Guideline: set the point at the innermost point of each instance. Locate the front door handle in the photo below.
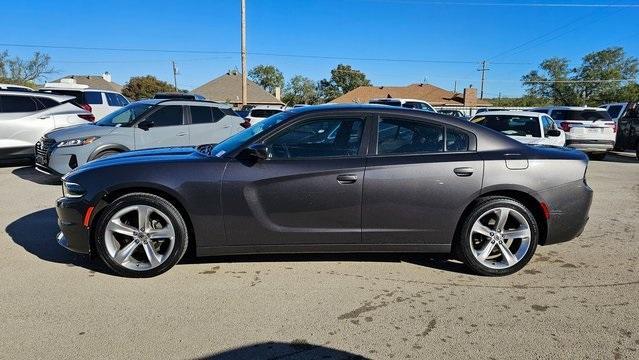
(346, 179)
(181, 134)
(464, 171)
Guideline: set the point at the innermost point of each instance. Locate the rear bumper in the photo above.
(74, 235)
(591, 145)
(569, 207)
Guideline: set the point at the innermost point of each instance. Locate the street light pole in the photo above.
(244, 90)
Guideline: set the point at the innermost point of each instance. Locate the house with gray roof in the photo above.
(100, 82)
(228, 88)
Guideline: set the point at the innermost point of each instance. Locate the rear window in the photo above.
(13, 103)
(511, 124)
(116, 99)
(614, 110)
(383, 102)
(585, 115)
(264, 113)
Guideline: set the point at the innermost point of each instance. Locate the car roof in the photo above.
(58, 98)
(511, 112)
(43, 89)
(184, 102)
(398, 99)
(577, 108)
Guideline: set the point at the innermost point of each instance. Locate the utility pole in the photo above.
(483, 78)
(244, 90)
(175, 71)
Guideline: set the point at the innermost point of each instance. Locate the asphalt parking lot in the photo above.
(574, 300)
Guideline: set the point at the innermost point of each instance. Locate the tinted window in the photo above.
(12, 103)
(167, 116)
(201, 115)
(79, 98)
(512, 125)
(540, 111)
(456, 140)
(614, 110)
(93, 97)
(586, 115)
(115, 99)
(318, 138)
(412, 105)
(264, 113)
(47, 103)
(404, 137)
(383, 102)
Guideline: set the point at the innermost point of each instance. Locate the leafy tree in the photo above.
(343, 79)
(22, 71)
(301, 90)
(144, 87)
(267, 76)
(524, 101)
(586, 84)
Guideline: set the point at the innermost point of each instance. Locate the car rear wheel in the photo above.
(141, 235)
(498, 237)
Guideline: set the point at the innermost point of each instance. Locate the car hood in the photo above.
(79, 131)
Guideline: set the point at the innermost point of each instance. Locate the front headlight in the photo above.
(72, 190)
(78, 142)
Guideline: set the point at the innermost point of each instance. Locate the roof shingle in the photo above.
(228, 88)
(434, 95)
(94, 82)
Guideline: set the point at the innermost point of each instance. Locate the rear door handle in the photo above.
(464, 171)
(181, 134)
(346, 179)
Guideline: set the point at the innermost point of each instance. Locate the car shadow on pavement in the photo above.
(297, 349)
(31, 174)
(620, 158)
(435, 261)
(36, 233)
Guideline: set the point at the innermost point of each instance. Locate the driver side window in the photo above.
(326, 137)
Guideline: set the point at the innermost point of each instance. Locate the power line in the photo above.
(272, 54)
(518, 4)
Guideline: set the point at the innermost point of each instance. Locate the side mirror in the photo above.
(146, 125)
(553, 133)
(256, 151)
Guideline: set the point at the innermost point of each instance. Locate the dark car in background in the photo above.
(295, 183)
(178, 95)
(628, 130)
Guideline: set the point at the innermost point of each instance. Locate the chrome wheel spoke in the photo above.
(123, 254)
(116, 226)
(507, 254)
(163, 233)
(523, 232)
(503, 217)
(484, 253)
(151, 254)
(482, 229)
(143, 217)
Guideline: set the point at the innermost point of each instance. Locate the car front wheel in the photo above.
(141, 235)
(498, 237)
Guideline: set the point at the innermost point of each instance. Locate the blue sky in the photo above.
(513, 35)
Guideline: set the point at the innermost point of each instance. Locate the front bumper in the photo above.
(591, 145)
(569, 207)
(74, 235)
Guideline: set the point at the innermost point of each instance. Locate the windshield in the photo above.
(124, 116)
(512, 125)
(239, 139)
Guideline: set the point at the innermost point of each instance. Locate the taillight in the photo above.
(614, 126)
(87, 117)
(565, 126)
(87, 107)
(246, 124)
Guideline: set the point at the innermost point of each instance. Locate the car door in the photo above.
(309, 190)
(21, 123)
(420, 175)
(167, 128)
(207, 125)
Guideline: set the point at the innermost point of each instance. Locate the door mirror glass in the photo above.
(553, 133)
(146, 125)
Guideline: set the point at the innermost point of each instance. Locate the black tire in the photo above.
(462, 246)
(106, 153)
(177, 221)
(597, 156)
(637, 150)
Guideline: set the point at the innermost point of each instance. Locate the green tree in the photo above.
(144, 87)
(595, 81)
(343, 79)
(24, 71)
(268, 77)
(301, 90)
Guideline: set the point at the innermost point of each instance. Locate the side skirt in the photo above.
(323, 248)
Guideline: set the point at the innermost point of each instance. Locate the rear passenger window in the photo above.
(115, 99)
(93, 97)
(201, 115)
(12, 103)
(456, 140)
(167, 116)
(47, 103)
(406, 137)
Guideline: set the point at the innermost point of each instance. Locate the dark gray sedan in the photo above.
(355, 178)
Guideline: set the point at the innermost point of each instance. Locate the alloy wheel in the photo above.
(500, 238)
(139, 237)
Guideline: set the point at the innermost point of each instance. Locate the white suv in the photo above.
(99, 102)
(26, 116)
(588, 129)
(405, 103)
